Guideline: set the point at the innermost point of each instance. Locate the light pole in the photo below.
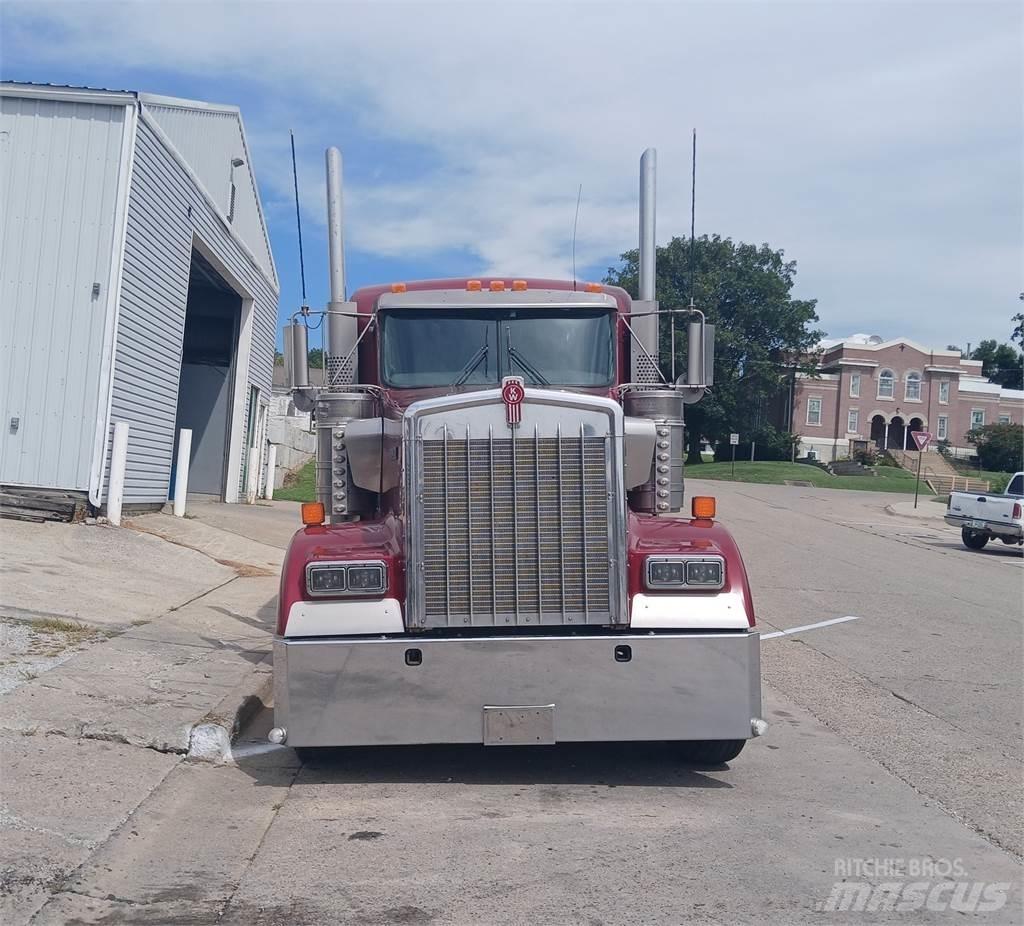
(235, 162)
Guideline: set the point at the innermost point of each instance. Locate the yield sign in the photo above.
(921, 438)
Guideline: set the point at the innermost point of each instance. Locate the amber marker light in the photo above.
(473, 286)
(398, 287)
(703, 507)
(592, 287)
(313, 514)
(497, 286)
(519, 286)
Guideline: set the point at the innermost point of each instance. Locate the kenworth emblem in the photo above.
(512, 394)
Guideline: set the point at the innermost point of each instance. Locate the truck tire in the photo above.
(973, 540)
(712, 752)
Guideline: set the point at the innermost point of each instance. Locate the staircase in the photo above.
(938, 473)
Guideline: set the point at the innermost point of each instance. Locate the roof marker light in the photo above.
(398, 287)
(497, 286)
(519, 286)
(592, 287)
(473, 286)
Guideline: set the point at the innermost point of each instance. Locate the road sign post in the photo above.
(922, 439)
(734, 439)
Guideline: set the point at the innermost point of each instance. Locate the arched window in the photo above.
(886, 380)
(913, 387)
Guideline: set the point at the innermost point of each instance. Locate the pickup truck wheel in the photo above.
(973, 540)
(712, 752)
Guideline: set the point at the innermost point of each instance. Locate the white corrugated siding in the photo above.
(165, 209)
(59, 171)
(208, 140)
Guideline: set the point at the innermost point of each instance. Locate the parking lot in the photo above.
(893, 759)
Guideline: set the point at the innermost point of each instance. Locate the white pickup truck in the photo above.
(983, 517)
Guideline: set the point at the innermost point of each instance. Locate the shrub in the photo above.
(1000, 446)
(868, 456)
(999, 483)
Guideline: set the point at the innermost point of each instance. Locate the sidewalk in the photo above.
(927, 510)
(166, 628)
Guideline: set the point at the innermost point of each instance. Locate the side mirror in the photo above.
(296, 356)
(700, 359)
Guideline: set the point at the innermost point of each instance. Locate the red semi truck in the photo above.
(498, 553)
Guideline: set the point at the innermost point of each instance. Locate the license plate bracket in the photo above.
(519, 725)
(977, 525)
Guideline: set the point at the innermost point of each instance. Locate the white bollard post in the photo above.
(181, 471)
(271, 466)
(118, 458)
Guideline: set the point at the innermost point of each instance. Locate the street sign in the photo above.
(921, 438)
(734, 439)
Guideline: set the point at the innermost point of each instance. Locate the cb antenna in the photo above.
(693, 213)
(298, 223)
(575, 222)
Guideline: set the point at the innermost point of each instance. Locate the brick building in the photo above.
(867, 389)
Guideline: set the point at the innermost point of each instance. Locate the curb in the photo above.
(890, 509)
(210, 739)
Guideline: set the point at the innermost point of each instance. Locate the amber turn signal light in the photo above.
(703, 507)
(313, 513)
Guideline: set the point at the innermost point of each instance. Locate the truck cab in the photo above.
(499, 553)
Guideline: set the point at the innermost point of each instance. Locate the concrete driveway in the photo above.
(893, 762)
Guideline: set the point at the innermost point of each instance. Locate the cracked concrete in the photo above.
(185, 644)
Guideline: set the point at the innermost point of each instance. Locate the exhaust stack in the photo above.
(340, 329)
(644, 351)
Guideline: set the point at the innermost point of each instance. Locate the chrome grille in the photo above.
(515, 530)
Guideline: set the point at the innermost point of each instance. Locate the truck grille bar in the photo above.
(512, 525)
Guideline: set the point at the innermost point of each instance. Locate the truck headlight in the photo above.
(685, 572)
(337, 580)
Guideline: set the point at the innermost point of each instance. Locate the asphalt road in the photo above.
(894, 758)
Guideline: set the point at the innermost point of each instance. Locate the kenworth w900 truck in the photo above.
(498, 553)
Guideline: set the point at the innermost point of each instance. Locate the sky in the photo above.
(878, 144)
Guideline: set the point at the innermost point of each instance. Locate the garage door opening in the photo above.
(209, 355)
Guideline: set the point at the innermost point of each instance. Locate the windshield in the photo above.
(547, 347)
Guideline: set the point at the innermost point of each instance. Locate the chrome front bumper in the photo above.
(516, 690)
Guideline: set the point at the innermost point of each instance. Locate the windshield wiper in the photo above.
(527, 367)
(470, 368)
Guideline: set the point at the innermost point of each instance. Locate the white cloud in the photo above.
(879, 144)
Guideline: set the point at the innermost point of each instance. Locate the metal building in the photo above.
(136, 284)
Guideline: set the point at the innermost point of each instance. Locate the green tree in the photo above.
(763, 335)
(1018, 331)
(1000, 446)
(1000, 363)
(278, 359)
(316, 359)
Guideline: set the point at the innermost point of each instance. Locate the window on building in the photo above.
(855, 386)
(944, 392)
(852, 420)
(977, 417)
(1004, 419)
(913, 387)
(814, 411)
(886, 383)
(942, 430)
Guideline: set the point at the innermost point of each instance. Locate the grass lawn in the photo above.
(887, 478)
(301, 487)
